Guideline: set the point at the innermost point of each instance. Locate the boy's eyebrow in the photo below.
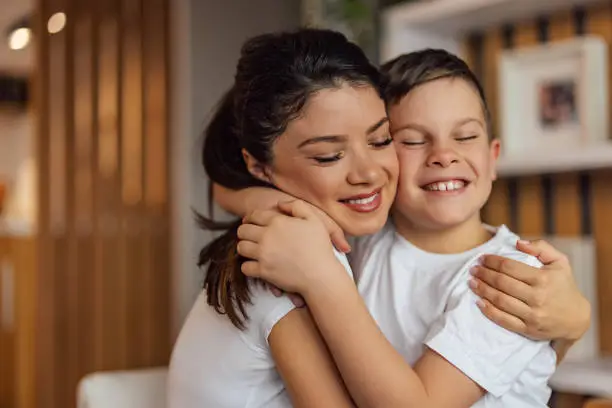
(415, 126)
(412, 126)
(468, 120)
(340, 138)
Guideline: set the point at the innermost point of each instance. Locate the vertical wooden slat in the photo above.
(109, 105)
(84, 117)
(530, 203)
(157, 177)
(497, 211)
(602, 203)
(45, 322)
(134, 269)
(7, 333)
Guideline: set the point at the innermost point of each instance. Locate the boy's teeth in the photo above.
(363, 200)
(445, 185)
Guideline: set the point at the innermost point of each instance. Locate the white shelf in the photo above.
(596, 156)
(455, 17)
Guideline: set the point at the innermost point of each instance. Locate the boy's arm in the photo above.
(242, 202)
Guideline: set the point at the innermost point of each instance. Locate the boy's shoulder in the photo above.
(504, 243)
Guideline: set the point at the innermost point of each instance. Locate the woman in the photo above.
(294, 95)
(297, 96)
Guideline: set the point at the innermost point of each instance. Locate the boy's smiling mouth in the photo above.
(446, 185)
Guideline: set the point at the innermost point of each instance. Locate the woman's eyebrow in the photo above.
(323, 139)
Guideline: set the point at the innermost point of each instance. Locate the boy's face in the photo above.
(447, 163)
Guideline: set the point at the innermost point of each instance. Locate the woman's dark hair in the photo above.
(275, 76)
(408, 71)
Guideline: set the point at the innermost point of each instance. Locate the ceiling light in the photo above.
(20, 38)
(56, 23)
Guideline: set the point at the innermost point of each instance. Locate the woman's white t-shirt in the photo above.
(214, 364)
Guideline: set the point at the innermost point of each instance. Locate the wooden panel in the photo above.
(104, 259)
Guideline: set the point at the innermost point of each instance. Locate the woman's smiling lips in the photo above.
(364, 202)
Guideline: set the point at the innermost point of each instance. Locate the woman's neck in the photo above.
(457, 239)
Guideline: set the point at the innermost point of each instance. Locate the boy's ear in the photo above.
(494, 151)
(256, 168)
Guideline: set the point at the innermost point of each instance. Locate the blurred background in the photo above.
(102, 105)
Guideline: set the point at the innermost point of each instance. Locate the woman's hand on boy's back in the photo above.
(289, 248)
(540, 303)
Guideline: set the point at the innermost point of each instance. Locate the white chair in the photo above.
(144, 388)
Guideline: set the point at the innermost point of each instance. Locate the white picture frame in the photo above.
(554, 97)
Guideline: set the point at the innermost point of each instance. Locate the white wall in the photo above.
(207, 36)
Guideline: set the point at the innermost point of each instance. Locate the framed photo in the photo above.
(554, 96)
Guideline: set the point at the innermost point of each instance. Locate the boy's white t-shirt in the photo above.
(214, 364)
(420, 299)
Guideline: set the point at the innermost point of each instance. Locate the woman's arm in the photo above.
(304, 363)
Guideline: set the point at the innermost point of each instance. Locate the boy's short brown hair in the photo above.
(408, 71)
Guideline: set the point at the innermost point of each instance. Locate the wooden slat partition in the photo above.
(104, 264)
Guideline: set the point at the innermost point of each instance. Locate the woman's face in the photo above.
(339, 156)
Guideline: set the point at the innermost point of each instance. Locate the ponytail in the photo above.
(227, 288)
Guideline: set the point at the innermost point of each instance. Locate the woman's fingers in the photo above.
(251, 269)
(250, 232)
(248, 249)
(297, 208)
(261, 217)
(301, 209)
(504, 283)
(502, 318)
(546, 253)
(502, 301)
(510, 267)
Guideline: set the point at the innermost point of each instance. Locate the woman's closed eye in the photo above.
(382, 143)
(326, 159)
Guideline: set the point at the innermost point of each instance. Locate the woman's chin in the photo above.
(361, 227)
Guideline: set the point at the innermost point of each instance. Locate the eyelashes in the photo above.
(339, 155)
